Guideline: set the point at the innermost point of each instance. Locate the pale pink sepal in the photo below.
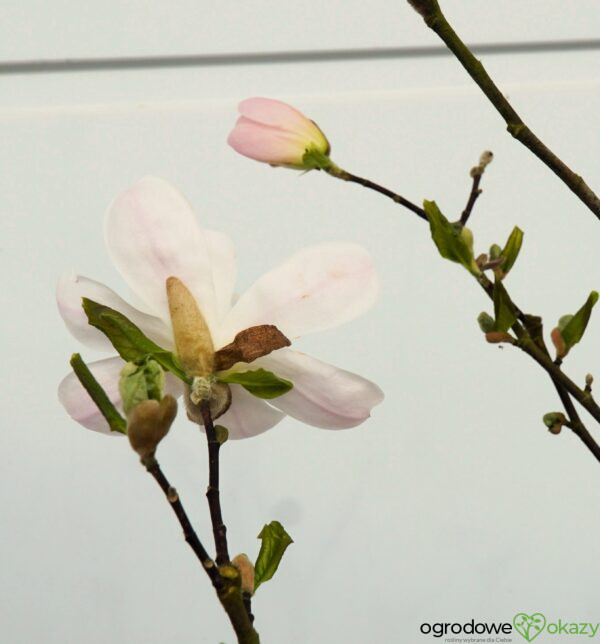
(248, 416)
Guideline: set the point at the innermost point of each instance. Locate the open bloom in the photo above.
(276, 133)
(152, 235)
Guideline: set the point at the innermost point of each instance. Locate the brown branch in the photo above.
(189, 533)
(212, 492)
(435, 20)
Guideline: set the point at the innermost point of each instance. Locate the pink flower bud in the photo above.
(274, 132)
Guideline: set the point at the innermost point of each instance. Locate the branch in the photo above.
(435, 20)
(212, 492)
(189, 533)
(338, 173)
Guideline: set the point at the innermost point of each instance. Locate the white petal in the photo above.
(78, 404)
(152, 234)
(71, 288)
(323, 395)
(248, 416)
(222, 260)
(317, 288)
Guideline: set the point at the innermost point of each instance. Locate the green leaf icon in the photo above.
(275, 540)
(529, 626)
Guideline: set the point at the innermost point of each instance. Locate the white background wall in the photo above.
(452, 502)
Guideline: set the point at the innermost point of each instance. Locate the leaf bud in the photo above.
(141, 382)
(495, 251)
(589, 379)
(554, 421)
(486, 322)
(246, 569)
(148, 423)
(558, 342)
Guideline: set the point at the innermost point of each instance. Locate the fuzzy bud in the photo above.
(246, 568)
(554, 421)
(193, 342)
(589, 379)
(148, 423)
(486, 322)
(558, 342)
(424, 7)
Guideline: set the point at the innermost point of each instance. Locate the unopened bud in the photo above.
(486, 322)
(495, 337)
(246, 568)
(193, 342)
(487, 156)
(148, 423)
(495, 251)
(589, 379)
(558, 342)
(554, 421)
(141, 382)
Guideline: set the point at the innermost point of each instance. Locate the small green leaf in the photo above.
(129, 341)
(511, 249)
(260, 383)
(139, 382)
(275, 540)
(452, 241)
(573, 330)
(504, 310)
(115, 421)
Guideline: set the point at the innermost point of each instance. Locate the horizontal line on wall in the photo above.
(315, 56)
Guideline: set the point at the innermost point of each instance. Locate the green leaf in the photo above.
(115, 421)
(452, 240)
(573, 330)
(275, 540)
(260, 383)
(129, 341)
(511, 249)
(139, 382)
(504, 310)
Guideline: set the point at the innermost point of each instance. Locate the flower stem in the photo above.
(339, 173)
(212, 492)
(188, 531)
(436, 21)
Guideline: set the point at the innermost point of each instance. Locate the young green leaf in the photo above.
(275, 540)
(115, 421)
(504, 310)
(260, 383)
(129, 341)
(511, 250)
(452, 240)
(573, 330)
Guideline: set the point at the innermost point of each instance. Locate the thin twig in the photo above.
(338, 173)
(212, 492)
(475, 192)
(188, 531)
(435, 20)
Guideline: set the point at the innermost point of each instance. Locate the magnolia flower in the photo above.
(152, 235)
(276, 133)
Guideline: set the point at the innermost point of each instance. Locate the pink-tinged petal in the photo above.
(71, 288)
(224, 271)
(323, 395)
(152, 234)
(278, 114)
(318, 288)
(267, 144)
(78, 404)
(248, 416)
